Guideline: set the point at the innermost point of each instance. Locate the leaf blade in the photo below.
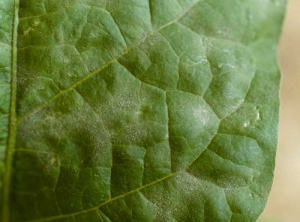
(86, 132)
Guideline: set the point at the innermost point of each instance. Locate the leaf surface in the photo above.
(138, 110)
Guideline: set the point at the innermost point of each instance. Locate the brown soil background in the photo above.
(284, 201)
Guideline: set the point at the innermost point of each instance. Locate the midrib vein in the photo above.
(12, 119)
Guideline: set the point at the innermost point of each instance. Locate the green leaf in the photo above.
(135, 110)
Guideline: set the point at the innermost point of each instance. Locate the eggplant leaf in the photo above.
(135, 110)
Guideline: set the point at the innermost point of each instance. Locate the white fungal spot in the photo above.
(202, 115)
(246, 124)
(258, 115)
(226, 64)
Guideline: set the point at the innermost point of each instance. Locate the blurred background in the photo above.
(284, 201)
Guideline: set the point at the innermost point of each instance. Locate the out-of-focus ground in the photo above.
(284, 201)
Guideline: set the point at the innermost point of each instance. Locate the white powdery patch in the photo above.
(202, 115)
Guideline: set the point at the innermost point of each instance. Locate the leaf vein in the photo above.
(6, 186)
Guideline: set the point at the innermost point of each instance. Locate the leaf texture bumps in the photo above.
(138, 110)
